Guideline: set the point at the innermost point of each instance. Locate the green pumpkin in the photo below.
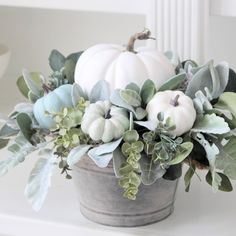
(53, 102)
(105, 122)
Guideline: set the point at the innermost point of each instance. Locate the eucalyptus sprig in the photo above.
(130, 170)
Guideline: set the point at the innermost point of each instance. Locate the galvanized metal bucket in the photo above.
(101, 198)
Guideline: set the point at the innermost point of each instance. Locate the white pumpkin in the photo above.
(105, 122)
(120, 66)
(177, 106)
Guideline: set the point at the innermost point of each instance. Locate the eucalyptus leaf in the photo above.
(76, 154)
(40, 181)
(3, 143)
(188, 176)
(131, 136)
(36, 89)
(211, 124)
(148, 90)
(150, 171)
(184, 151)
(100, 92)
(131, 97)
(56, 60)
(174, 82)
(225, 184)
(22, 85)
(25, 124)
(118, 160)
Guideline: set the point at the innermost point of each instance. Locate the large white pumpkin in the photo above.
(177, 106)
(120, 66)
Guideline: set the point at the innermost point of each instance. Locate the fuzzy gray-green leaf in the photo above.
(131, 97)
(56, 60)
(173, 82)
(211, 124)
(148, 90)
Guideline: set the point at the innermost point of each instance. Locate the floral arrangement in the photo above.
(148, 127)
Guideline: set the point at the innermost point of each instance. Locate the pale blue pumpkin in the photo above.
(53, 102)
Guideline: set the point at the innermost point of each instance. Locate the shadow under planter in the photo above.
(101, 197)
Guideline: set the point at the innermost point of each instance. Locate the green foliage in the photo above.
(129, 171)
(188, 176)
(17, 153)
(40, 180)
(100, 92)
(63, 68)
(31, 85)
(225, 184)
(211, 124)
(103, 153)
(227, 101)
(226, 160)
(24, 122)
(3, 143)
(215, 78)
(6, 131)
(174, 82)
(134, 87)
(131, 97)
(147, 92)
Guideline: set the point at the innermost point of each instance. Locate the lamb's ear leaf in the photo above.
(76, 154)
(131, 97)
(100, 92)
(6, 131)
(103, 154)
(74, 56)
(40, 181)
(116, 99)
(56, 60)
(148, 90)
(134, 87)
(69, 70)
(173, 82)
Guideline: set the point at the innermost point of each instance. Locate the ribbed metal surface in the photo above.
(101, 197)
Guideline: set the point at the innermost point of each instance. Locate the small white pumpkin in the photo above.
(105, 122)
(177, 106)
(120, 66)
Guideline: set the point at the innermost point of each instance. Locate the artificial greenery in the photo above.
(147, 150)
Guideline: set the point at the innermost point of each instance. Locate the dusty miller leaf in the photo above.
(40, 181)
(211, 124)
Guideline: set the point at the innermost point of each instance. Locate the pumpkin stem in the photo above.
(144, 35)
(174, 102)
(108, 114)
(46, 89)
